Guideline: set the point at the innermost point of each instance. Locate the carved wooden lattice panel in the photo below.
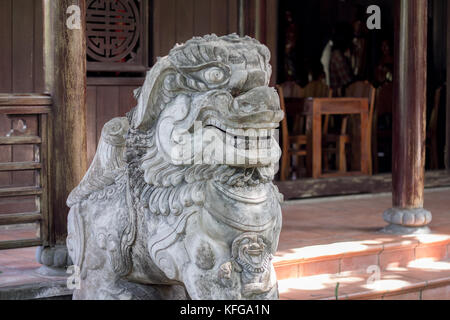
(116, 35)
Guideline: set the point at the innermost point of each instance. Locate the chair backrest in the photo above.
(317, 89)
(363, 89)
(383, 99)
(292, 90)
(360, 89)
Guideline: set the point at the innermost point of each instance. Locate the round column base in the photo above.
(407, 221)
(54, 260)
(52, 271)
(398, 229)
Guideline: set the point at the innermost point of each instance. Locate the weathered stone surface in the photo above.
(407, 221)
(55, 257)
(179, 200)
(51, 289)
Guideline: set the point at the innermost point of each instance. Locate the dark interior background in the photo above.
(314, 22)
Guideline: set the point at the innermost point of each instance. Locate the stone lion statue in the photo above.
(178, 202)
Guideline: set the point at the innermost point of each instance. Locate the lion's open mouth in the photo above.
(246, 146)
(247, 139)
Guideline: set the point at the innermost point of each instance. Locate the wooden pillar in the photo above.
(65, 69)
(271, 30)
(447, 123)
(259, 19)
(409, 120)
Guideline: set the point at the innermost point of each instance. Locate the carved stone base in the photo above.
(54, 260)
(397, 229)
(407, 221)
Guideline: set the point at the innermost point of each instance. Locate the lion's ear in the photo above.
(148, 106)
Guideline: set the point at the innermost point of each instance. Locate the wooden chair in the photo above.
(359, 89)
(338, 143)
(432, 131)
(292, 90)
(291, 144)
(317, 89)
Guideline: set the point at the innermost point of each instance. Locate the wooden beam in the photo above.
(18, 166)
(24, 109)
(115, 81)
(20, 191)
(16, 218)
(7, 99)
(20, 140)
(340, 186)
(66, 81)
(14, 244)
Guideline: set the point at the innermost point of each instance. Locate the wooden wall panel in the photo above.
(106, 101)
(166, 27)
(179, 20)
(5, 151)
(219, 17)
(21, 49)
(107, 106)
(91, 121)
(38, 77)
(24, 153)
(233, 16)
(184, 20)
(202, 24)
(6, 45)
(22, 46)
(126, 99)
(21, 71)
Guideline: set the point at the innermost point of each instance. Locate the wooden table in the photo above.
(315, 108)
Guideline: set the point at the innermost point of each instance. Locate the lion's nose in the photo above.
(258, 105)
(257, 100)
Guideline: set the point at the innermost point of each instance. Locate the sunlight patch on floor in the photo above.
(318, 282)
(429, 264)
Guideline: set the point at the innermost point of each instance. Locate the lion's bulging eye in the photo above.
(214, 75)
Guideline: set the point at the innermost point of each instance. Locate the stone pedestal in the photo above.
(407, 221)
(54, 260)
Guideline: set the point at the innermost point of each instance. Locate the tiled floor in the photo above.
(326, 221)
(343, 233)
(17, 266)
(418, 281)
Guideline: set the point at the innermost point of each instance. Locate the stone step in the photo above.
(423, 279)
(357, 255)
